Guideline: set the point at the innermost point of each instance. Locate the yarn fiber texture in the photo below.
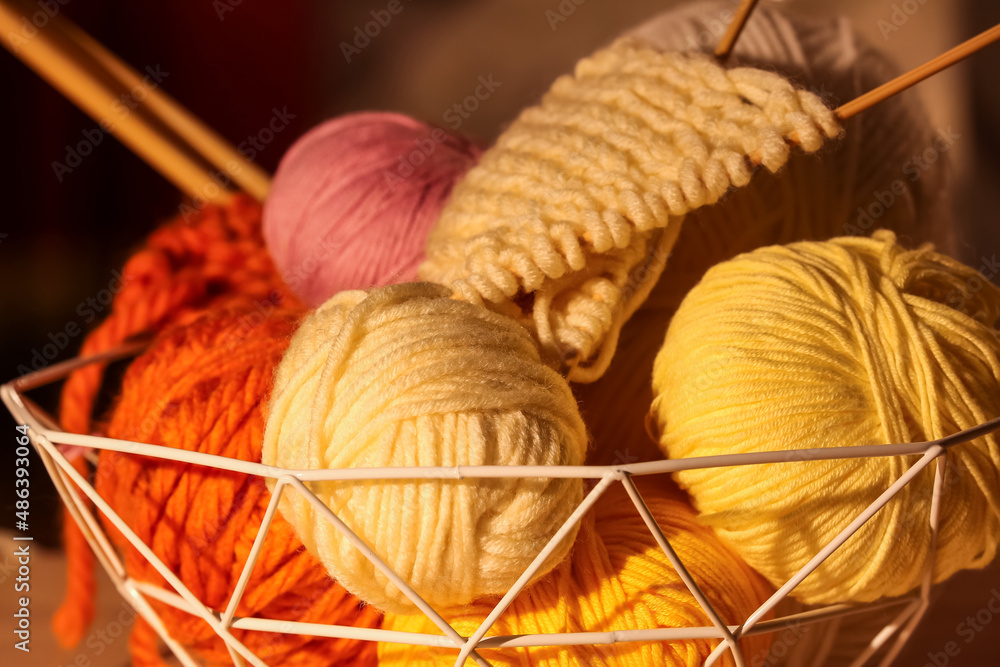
(854, 341)
(212, 257)
(864, 181)
(354, 198)
(836, 192)
(617, 578)
(405, 376)
(202, 388)
(206, 259)
(560, 223)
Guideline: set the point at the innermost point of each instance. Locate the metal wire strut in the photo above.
(46, 436)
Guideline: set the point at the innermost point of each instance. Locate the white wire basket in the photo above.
(45, 434)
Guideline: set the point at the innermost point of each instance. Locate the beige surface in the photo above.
(106, 645)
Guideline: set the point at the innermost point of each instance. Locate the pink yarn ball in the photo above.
(354, 199)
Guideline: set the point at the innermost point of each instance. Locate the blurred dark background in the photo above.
(233, 62)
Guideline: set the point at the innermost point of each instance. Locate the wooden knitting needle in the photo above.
(725, 46)
(216, 150)
(901, 83)
(74, 74)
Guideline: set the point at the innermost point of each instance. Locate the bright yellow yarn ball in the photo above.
(405, 376)
(854, 341)
(617, 578)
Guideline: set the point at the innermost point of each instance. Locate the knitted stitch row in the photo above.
(567, 221)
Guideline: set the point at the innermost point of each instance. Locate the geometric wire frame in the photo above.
(45, 434)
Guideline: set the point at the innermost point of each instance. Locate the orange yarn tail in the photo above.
(144, 645)
(76, 613)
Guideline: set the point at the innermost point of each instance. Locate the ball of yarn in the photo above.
(854, 341)
(202, 388)
(617, 578)
(851, 186)
(206, 258)
(354, 198)
(404, 376)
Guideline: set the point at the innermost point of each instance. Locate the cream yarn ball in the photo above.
(405, 376)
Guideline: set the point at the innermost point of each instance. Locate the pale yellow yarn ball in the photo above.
(853, 341)
(404, 376)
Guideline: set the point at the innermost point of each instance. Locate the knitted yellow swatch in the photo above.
(568, 220)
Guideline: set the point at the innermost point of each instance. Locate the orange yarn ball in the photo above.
(617, 578)
(208, 258)
(201, 388)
